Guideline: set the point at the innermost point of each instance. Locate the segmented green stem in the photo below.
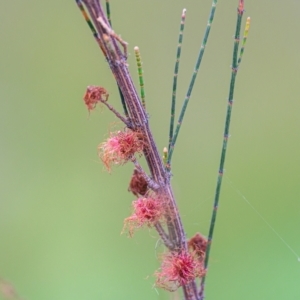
(140, 73)
(123, 103)
(225, 141)
(194, 76)
(91, 26)
(247, 26)
(173, 105)
(96, 36)
(108, 11)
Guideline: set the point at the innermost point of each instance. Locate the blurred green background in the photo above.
(61, 214)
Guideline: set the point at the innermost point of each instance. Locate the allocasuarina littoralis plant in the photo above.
(185, 259)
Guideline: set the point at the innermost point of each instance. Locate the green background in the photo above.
(61, 214)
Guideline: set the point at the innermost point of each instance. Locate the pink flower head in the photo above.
(178, 269)
(146, 211)
(120, 147)
(93, 95)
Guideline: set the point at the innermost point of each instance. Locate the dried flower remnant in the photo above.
(138, 184)
(120, 147)
(178, 269)
(197, 245)
(93, 95)
(146, 211)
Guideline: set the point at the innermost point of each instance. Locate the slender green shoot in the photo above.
(140, 73)
(108, 11)
(234, 69)
(96, 36)
(247, 27)
(173, 105)
(194, 76)
(91, 26)
(123, 103)
(165, 155)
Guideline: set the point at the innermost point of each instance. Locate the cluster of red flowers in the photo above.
(178, 268)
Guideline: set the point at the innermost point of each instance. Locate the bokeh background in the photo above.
(61, 214)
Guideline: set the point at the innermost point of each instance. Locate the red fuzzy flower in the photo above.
(120, 147)
(178, 269)
(146, 211)
(93, 95)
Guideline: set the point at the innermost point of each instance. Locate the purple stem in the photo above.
(117, 62)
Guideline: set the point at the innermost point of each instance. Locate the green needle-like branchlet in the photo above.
(140, 73)
(247, 26)
(108, 11)
(123, 103)
(234, 69)
(89, 22)
(165, 156)
(194, 76)
(173, 105)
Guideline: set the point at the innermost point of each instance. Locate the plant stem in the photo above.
(164, 237)
(140, 73)
(175, 77)
(117, 62)
(247, 27)
(151, 184)
(108, 11)
(120, 93)
(194, 76)
(96, 36)
(91, 26)
(234, 70)
(117, 114)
